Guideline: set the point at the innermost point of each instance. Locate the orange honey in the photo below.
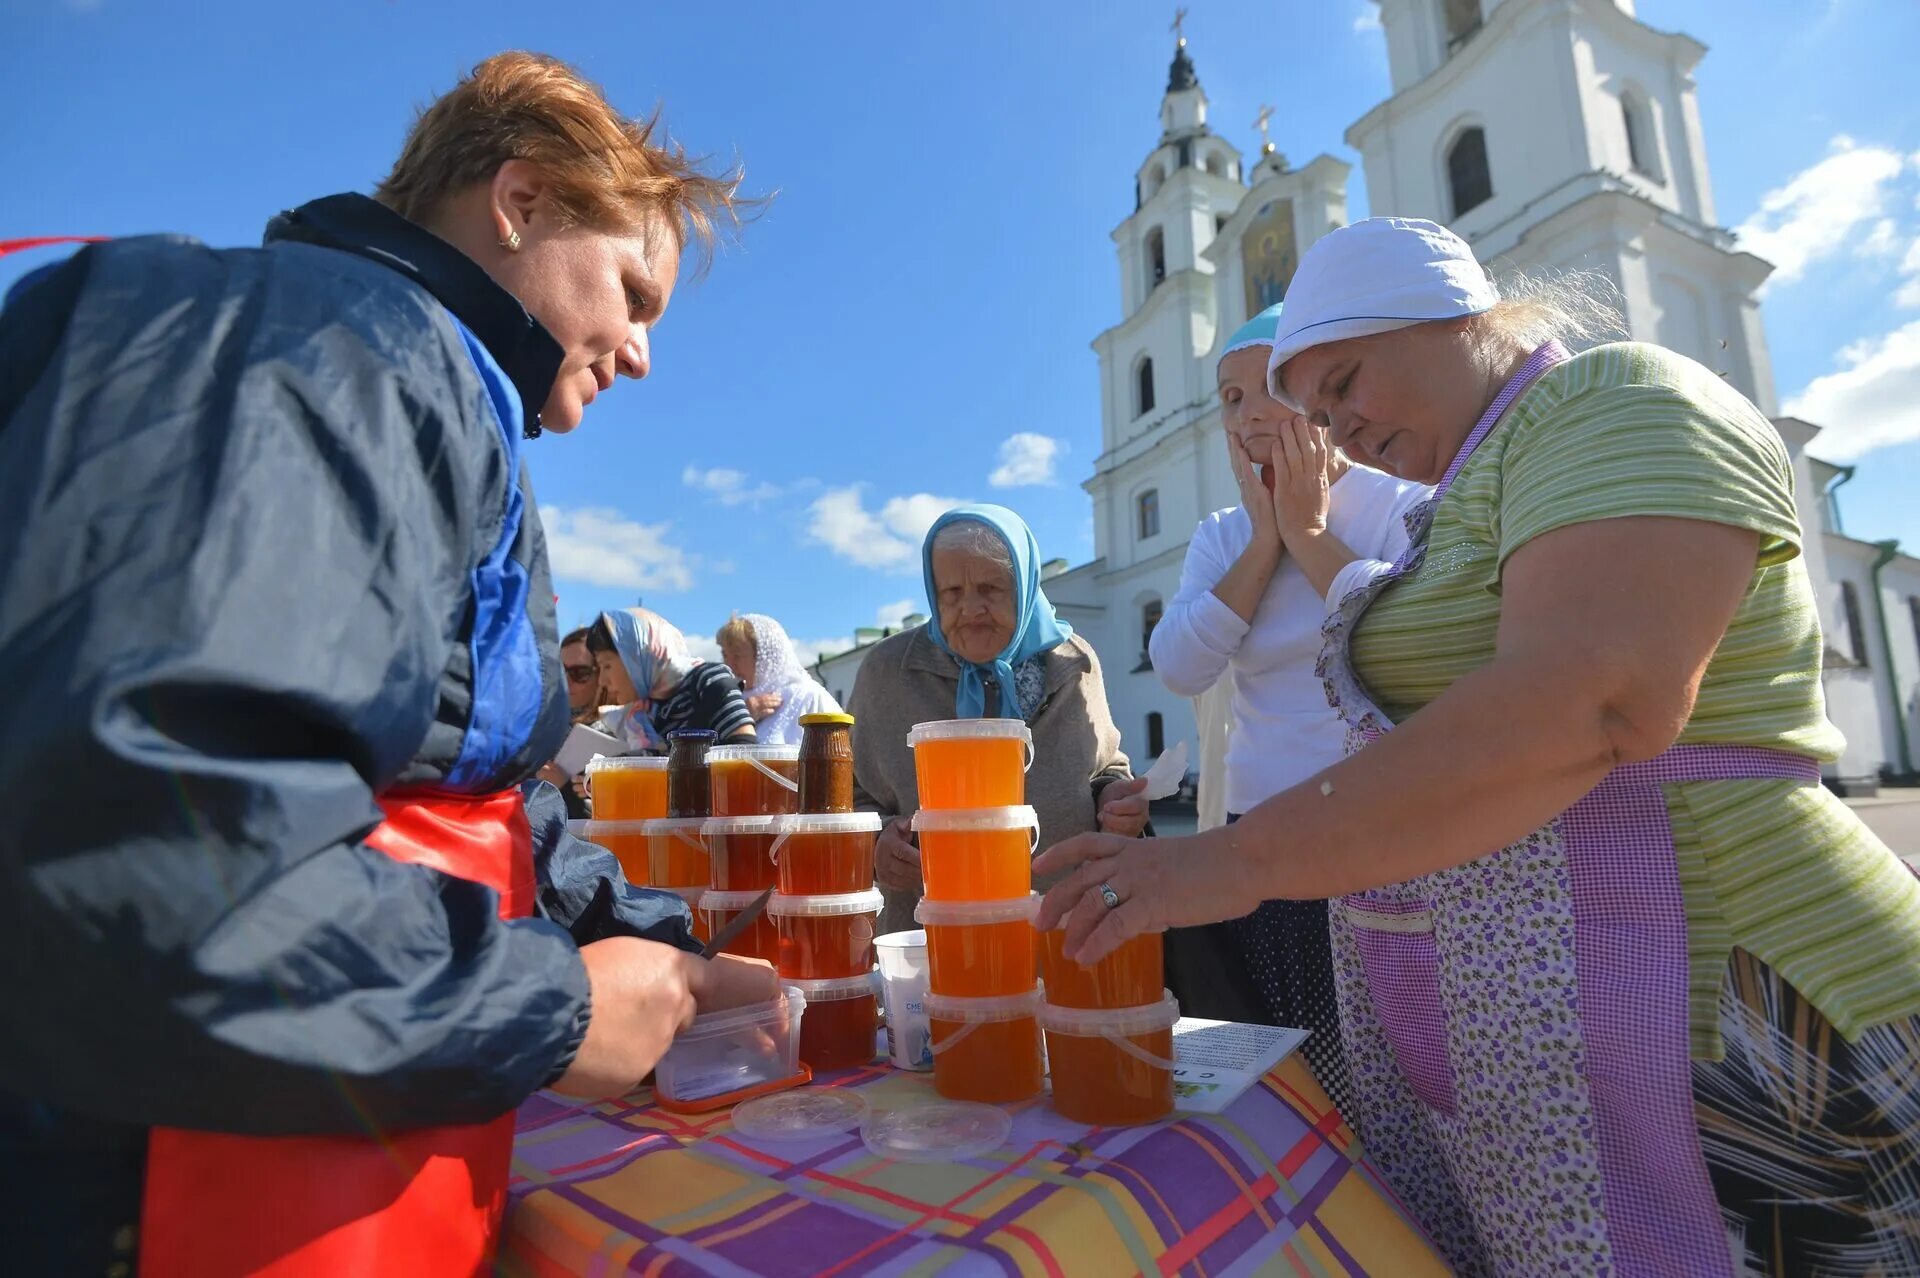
(841, 1026)
(827, 853)
(825, 936)
(740, 786)
(677, 856)
(979, 949)
(977, 854)
(1095, 1058)
(985, 1049)
(1131, 976)
(717, 909)
(971, 763)
(628, 789)
(626, 840)
(742, 851)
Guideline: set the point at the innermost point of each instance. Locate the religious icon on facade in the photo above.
(1269, 254)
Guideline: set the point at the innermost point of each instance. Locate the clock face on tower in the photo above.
(1269, 254)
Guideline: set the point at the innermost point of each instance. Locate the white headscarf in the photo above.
(777, 668)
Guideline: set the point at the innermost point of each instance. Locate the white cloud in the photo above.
(888, 538)
(704, 647)
(888, 616)
(1369, 20)
(1882, 241)
(1818, 208)
(728, 487)
(811, 650)
(1870, 401)
(603, 548)
(1026, 458)
(1909, 292)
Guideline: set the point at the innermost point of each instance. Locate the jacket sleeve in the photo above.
(584, 890)
(1197, 635)
(1109, 762)
(242, 507)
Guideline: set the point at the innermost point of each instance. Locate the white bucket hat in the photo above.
(1373, 277)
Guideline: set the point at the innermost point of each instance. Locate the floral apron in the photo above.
(1516, 1027)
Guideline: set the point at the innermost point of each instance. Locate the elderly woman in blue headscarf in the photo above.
(992, 648)
(661, 686)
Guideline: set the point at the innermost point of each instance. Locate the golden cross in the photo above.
(1179, 20)
(1260, 123)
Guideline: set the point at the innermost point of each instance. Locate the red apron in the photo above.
(426, 1201)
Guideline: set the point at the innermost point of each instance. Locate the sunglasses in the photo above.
(582, 674)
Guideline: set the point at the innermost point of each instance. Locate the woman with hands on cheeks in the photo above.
(1258, 582)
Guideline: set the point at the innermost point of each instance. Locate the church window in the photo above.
(1219, 223)
(1463, 19)
(1149, 618)
(1186, 153)
(1467, 172)
(1156, 735)
(1856, 629)
(1643, 152)
(1148, 505)
(1156, 258)
(1143, 389)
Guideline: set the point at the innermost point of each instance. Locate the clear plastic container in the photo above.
(627, 840)
(843, 1028)
(826, 853)
(676, 853)
(753, 780)
(977, 854)
(986, 1049)
(741, 1050)
(971, 763)
(717, 909)
(979, 949)
(742, 851)
(628, 789)
(1112, 1067)
(823, 936)
(1132, 976)
(936, 1132)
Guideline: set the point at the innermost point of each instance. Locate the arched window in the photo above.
(1643, 150)
(1149, 618)
(1463, 19)
(1143, 389)
(1156, 258)
(1148, 507)
(1467, 172)
(1156, 735)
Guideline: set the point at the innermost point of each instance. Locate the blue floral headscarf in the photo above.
(1035, 628)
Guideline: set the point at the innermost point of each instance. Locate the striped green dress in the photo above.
(1803, 929)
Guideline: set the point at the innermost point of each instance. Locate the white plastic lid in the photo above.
(914, 940)
(832, 823)
(1083, 1022)
(803, 907)
(1022, 909)
(754, 1014)
(765, 753)
(998, 1007)
(591, 830)
(832, 989)
(741, 825)
(964, 729)
(693, 896)
(1020, 816)
(808, 1114)
(671, 825)
(936, 1132)
(733, 901)
(627, 763)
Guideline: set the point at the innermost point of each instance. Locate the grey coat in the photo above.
(907, 679)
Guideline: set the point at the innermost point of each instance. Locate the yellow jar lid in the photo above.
(808, 720)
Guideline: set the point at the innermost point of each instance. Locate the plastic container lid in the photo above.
(590, 830)
(669, 825)
(831, 823)
(1023, 909)
(809, 720)
(627, 763)
(1018, 817)
(741, 825)
(914, 940)
(734, 901)
(1082, 1022)
(998, 1007)
(695, 897)
(803, 1115)
(792, 1001)
(808, 907)
(832, 989)
(967, 729)
(936, 1132)
(776, 753)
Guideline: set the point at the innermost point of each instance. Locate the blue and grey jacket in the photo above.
(268, 550)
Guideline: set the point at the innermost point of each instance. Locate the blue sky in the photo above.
(926, 284)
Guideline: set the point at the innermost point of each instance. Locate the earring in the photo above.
(512, 242)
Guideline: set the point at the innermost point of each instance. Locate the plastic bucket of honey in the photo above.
(628, 789)
(717, 909)
(1132, 976)
(826, 853)
(977, 854)
(753, 780)
(1111, 1066)
(842, 1025)
(979, 949)
(627, 840)
(822, 936)
(986, 1049)
(742, 851)
(971, 763)
(676, 853)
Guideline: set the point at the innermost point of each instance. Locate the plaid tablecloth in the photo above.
(1273, 1185)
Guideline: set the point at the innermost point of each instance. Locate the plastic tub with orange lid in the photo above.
(753, 780)
(825, 935)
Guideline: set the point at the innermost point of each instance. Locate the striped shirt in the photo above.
(709, 697)
(1784, 871)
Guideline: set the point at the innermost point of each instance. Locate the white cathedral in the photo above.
(1550, 134)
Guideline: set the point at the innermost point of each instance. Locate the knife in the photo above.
(741, 922)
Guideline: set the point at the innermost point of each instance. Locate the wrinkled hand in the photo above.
(896, 862)
(1303, 483)
(643, 994)
(763, 704)
(1254, 497)
(1161, 883)
(731, 980)
(1123, 807)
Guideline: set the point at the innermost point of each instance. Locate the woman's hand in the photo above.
(1123, 807)
(896, 862)
(1259, 504)
(1303, 481)
(763, 704)
(1157, 884)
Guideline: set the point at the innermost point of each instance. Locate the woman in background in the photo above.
(778, 688)
(661, 686)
